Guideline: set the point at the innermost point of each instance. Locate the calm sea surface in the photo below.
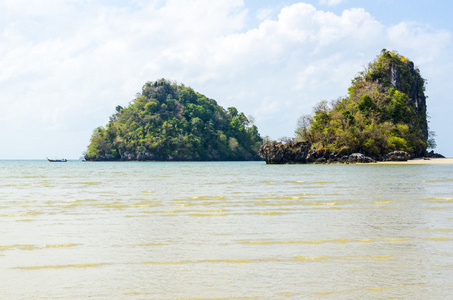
(241, 230)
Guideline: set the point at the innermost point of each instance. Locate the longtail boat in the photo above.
(57, 160)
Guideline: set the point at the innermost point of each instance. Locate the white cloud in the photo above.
(330, 2)
(429, 43)
(264, 14)
(63, 69)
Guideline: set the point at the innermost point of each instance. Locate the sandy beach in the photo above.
(420, 161)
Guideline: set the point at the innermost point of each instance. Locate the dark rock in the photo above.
(311, 156)
(284, 153)
(321, 160)
(432, 154)
(314, 155)
(300, 153)
(397, 156)
(359, 158)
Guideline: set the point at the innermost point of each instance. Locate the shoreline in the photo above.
(420, 161)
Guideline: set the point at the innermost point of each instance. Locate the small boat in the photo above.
(57, 160)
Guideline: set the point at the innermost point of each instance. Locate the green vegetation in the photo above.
(167, 121)
(384, 111)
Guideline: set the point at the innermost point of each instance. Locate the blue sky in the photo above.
(66, 65)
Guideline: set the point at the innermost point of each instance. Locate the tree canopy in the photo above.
(167, 121)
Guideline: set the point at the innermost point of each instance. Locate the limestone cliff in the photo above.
(406, 78)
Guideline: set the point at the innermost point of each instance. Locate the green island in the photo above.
(383, 117)
(171, 122)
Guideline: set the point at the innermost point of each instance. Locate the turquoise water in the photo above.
(241, 230)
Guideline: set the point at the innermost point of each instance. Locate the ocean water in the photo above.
(225, 230)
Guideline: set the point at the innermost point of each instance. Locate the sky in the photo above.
(66, 65)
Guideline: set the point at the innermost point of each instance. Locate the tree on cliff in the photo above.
(167, 121)
(385, 111)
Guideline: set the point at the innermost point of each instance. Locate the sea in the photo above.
(225, 230)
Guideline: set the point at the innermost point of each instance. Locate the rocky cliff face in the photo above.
(414, 88)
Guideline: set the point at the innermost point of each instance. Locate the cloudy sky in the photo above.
(66, 65)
